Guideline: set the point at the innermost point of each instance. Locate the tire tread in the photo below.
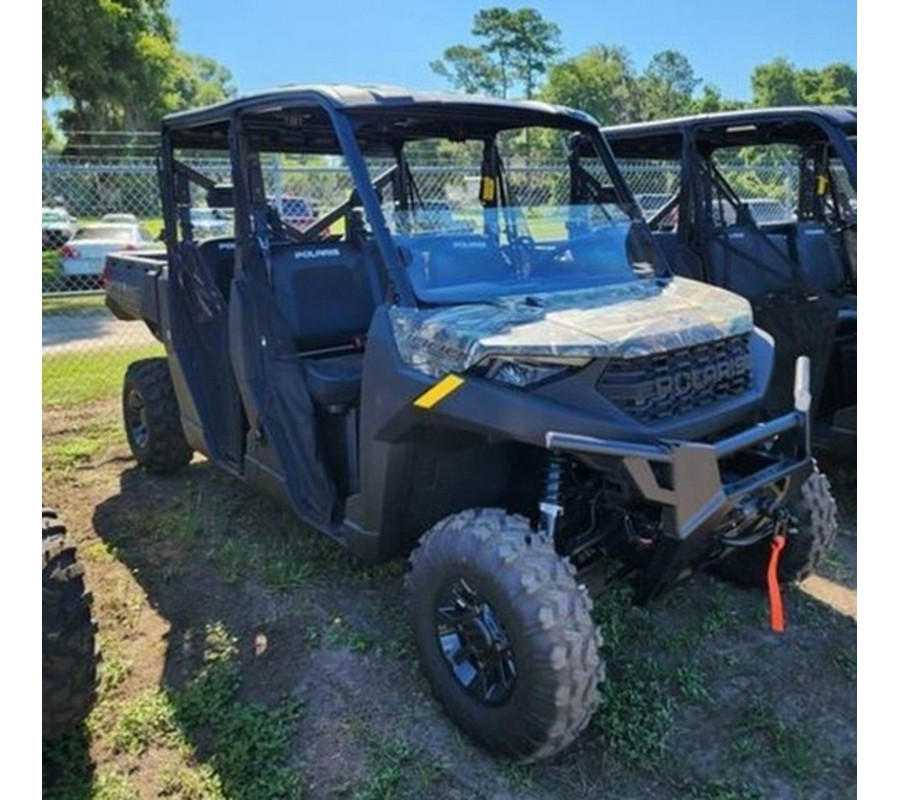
(539, 583)
(817, 525)
(167, 449)
(68, 633)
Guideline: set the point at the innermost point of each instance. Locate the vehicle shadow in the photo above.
(183, 540)
(67, 767)
(189, 541)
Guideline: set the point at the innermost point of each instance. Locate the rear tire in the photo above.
(504, 633)
(152, 417)
(816, 514)
(69, 654)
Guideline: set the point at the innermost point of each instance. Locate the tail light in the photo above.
(68, 251)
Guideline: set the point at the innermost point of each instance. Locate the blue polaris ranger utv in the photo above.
(477, 358)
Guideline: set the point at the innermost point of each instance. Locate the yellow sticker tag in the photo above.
(487, 189)
(439, 391)
(821, 184)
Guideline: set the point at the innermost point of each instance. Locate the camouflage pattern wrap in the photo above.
(626, 320)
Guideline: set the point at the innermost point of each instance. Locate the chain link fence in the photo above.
(94, 207)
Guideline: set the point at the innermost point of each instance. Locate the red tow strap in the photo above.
(775, 604)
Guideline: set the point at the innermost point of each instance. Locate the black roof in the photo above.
(385, 112)
(793, 124)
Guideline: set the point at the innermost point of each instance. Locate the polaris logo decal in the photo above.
(699, 379)
(325, 252)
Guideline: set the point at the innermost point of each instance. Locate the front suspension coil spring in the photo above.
(551, 503)
(554, 477)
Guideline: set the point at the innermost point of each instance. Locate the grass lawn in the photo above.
(72, 378)
(79, 304)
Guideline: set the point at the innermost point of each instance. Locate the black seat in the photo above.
(218, 255)
(324, 294)
(334, 381)
(326, 297)
(742, 260)
(818, 256)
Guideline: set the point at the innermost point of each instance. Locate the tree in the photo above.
(834, 85)
(517, 50)
(775, 84)
(779, 83)
(711, 100)
(600, 81)
(117, 63)
(470, 69)
(603, 82)
(205, 80)
(667, 86)
(49, 139)
(91, 46)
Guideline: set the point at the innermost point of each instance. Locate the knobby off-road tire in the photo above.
(816, 513)
(69, 654)
(482, 582)
(152, 418)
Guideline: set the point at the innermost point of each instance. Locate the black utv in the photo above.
(763, 202)
(478, 357)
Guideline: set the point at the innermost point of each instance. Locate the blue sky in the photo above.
(268, 43)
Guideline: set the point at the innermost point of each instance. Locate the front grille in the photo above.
(668, 384)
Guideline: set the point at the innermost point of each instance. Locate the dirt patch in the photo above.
(702, 700)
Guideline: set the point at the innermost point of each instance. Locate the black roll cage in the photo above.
(322, 120)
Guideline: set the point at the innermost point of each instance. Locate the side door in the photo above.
(195, 312)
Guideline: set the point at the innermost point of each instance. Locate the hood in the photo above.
(622, 321)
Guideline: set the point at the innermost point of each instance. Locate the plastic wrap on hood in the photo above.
(624, 321)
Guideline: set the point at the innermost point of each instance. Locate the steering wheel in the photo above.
(520, 251)
(523, 243)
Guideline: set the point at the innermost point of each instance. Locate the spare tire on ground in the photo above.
(69, 647)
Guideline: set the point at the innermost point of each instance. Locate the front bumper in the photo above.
(695, 487)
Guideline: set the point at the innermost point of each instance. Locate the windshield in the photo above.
(481, 220)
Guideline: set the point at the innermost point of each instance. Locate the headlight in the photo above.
(524, 372)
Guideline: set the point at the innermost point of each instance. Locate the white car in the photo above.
(86, 251)
(58, 226)
(122, 218)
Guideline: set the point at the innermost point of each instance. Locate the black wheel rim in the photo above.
(474, 643)
(136, 418)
